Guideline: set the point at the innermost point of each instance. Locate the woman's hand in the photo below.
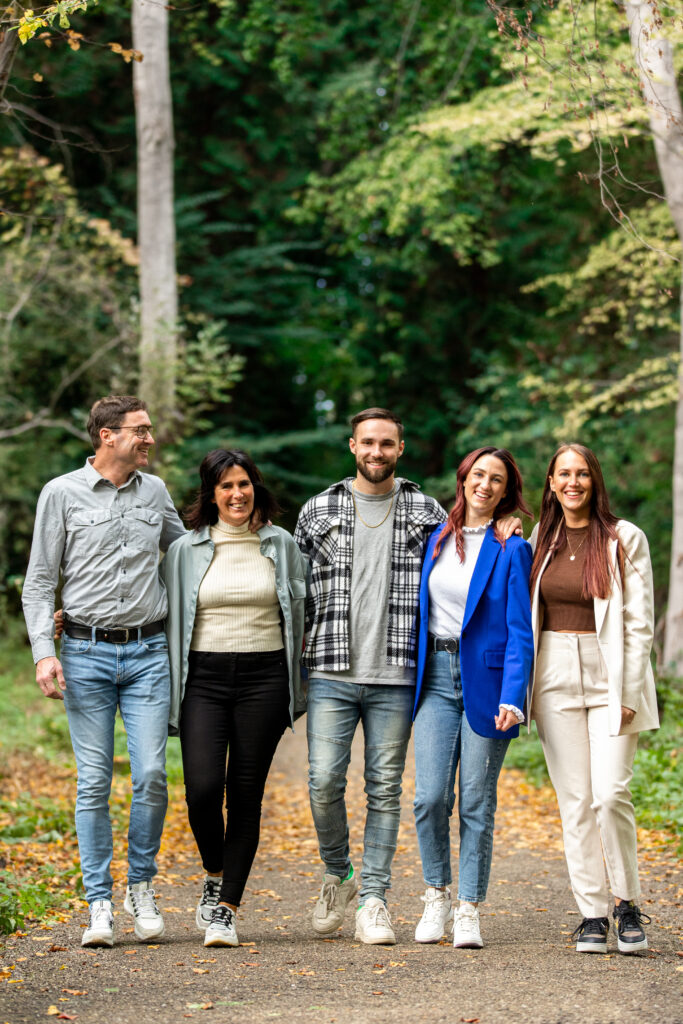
(59, 623)
(508, 526)
(627, 716)
(505, 720)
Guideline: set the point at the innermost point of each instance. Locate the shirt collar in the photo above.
(93, 477)
(482, 528)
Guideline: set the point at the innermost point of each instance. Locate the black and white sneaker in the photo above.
(209, 900)
(591, 935)
(629, 924)
(221, 930)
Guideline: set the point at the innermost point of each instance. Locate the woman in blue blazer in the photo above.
(475, 654)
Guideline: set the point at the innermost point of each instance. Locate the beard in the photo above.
(377, 474)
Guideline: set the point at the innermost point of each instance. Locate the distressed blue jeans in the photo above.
(335, 707)
(444, 740)
(101, 677)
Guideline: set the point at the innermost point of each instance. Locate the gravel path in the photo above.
(527, 972)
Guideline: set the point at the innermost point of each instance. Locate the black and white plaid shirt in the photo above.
(324, 532)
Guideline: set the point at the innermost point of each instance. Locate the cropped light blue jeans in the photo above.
(335, 707)
(443, 740)
(101, 677)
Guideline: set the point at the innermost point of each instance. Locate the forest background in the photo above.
(377, 203)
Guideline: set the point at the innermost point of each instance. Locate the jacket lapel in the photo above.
(488, 553)
(600, 604)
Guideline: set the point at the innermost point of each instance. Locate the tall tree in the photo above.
(653, 55)
(156, 224)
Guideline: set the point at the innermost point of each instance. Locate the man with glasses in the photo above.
(101, 528)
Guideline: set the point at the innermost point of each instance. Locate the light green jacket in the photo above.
(183, 570)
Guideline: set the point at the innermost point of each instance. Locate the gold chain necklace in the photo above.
(371, 526)
(572, 553)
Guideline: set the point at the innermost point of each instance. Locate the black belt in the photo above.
(443, 643)
(113, 634)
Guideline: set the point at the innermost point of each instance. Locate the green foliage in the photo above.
(21, 899)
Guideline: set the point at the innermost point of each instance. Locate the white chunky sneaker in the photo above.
(141, 904)
(209, 900)
(221, 930)
(100, 930)
(437, 913)
(466, 934)
(373, 924)
(335, 896)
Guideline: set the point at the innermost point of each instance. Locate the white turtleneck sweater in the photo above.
(237, 604)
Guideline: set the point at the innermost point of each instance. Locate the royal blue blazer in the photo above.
(497, 641)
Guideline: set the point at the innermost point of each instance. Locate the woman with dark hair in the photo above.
(235, 626)
(475, 652)
(593, 689)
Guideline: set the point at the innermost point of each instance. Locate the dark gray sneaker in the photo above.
(591, 935)
(629, 924)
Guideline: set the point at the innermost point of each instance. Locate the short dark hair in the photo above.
(203, 510)
(110, 412)
(376, 413)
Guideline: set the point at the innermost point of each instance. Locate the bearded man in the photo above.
(363, 539)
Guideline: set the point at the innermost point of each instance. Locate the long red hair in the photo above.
(552, 534)
(511, 500)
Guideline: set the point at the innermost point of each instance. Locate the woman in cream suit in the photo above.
(593, 688)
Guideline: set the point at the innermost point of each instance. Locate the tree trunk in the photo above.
(653, 56)
(9, 43)
(156, 225)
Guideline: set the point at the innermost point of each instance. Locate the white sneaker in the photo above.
(100, 930)
(466, 934)
(335, 896)
(373, 924)
(141, 904)
(221, 930)
(437, 913)
(209, 900)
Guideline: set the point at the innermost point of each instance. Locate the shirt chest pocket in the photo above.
(325, 542)
(145, 528)
(91, 530)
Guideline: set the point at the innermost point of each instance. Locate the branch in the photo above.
(42, 420)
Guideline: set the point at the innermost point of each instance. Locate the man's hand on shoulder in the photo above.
(49, 672)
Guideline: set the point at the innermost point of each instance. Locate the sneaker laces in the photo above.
(211, 891)
(591, 926)
(630, 918)
(377, 911)
(144, 902)
(433, 904)
(328, 894)
(222, 915)
(100, 914)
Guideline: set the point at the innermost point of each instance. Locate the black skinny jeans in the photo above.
(235, 706)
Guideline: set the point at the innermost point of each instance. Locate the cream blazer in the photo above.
(625, 627)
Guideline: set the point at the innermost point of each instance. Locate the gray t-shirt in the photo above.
(369, 609)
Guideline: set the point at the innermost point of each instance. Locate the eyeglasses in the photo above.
(140, 432)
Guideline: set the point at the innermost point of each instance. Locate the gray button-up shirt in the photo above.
(105, 540)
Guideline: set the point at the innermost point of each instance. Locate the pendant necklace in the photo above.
(572, 553)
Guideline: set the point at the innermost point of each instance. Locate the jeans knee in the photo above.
(150, 781)
(325, 786)
(430, 806)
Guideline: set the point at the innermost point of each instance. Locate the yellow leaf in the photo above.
(52, 1011)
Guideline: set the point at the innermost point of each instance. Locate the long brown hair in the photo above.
(511, 500)
(552, 533)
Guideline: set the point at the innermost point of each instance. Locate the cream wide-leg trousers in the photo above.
(589, 769)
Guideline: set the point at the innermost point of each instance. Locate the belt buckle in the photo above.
(127, 632)
(451, 645)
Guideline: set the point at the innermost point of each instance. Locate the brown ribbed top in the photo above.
(561, 585)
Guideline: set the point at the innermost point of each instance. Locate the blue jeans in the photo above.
(335, 708)
(99, 678)
(443, 737)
